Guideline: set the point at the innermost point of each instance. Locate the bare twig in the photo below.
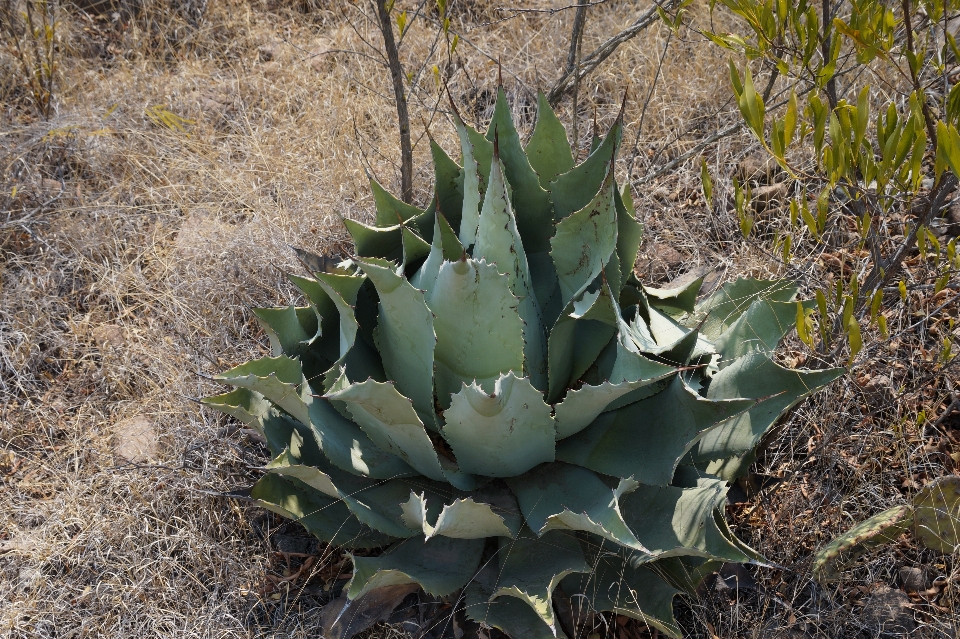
(573, 63)
(590, 62)
(677, 161)
(643, 111)
(396, 73)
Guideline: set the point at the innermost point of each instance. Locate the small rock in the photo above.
(664, 255)
(759, 168)
(878, 389)
(271, 68)
(266, 52)
(914, 579)
(887, 611)
(951, 220)
(211, 106)
(51, 187)
(109, 335)
(295, 545)
(767, 197)
(317, 57)
(136, 439)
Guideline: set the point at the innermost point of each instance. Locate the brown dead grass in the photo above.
(132, 252)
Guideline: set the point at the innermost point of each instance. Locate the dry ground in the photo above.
(132, 245)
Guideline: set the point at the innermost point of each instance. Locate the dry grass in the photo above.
(132, 251)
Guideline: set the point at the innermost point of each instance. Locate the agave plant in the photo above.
(488, 393)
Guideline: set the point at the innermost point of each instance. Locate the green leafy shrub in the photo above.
(488, 393)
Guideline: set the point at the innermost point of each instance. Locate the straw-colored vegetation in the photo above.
(188, 145)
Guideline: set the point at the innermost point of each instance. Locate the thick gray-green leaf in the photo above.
(760, 328)
(341, 440)
(683, 297)
(342, 290)
(375, 503)
(390, 210)
(509, 614)
(386, 243)
(532, 202)
(477, 152)
(498, 242)
(531, 568)
(500, 435)
(452, 248)
(243, 404)
(414, 247)
(629, 234)
(560, 496)
(585, 240)
(426, 275)
(290, 329)
(645, 440)
(722, 308)
(548, 150)
(580, 407)
(440, 565)
(448, 190)
(479, 332)
(572, 347)
(327, 345)
(677, 522)
(754, 376)
(346, 445)
(279, 379)
(326, 518)
(405, 337)
(687, 573)
(572, 190)
(640, 593)
(391, 422)
(465, 518)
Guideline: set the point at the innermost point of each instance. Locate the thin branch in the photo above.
(597, 56)
(669, 166)
(573, 64)
(403, 116)
(643, 112)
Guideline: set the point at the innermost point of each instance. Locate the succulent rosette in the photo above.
(488, 393)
